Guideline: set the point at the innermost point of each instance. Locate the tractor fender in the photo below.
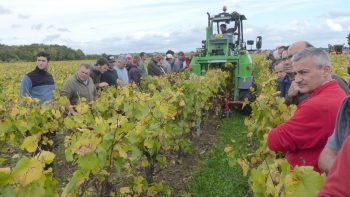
(245, 83)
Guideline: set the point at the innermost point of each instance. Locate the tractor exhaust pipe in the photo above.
(208, 19)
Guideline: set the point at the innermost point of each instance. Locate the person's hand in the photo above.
(293, 90)
(72, 112)
(102, 84)
(287, 67)
(47, 102)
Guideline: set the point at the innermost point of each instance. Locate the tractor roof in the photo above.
(226, 17)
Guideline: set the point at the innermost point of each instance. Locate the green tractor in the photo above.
(226, 50)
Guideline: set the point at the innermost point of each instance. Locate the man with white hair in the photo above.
(294, 96)
(79, 85)
(304, 135)
(121, 70)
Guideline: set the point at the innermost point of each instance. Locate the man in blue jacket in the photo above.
(39, 83)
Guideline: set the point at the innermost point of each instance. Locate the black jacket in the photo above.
(134, 75)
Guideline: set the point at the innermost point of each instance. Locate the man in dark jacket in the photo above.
(134, 72)
(110, 76)
(39, 83)
(154, 66)
(101, 66)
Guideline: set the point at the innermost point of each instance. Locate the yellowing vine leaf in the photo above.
(27, 171)
(30, 144)
(6, 170)
(304, 181)
(46, 157)
(125, 190)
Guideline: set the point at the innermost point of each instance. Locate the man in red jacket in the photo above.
(337, 182)
(305, 134)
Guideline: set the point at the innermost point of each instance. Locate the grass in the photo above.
(214, 177)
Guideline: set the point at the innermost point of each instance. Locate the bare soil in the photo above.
(175, 174)
(179, 168)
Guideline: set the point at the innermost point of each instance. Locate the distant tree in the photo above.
(348, 39)
(104, 55)
(28, 52)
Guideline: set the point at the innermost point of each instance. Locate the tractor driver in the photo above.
(223, 28)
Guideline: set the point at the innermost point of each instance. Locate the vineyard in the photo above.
(116, 144)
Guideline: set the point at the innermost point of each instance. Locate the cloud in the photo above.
(334, 26)
(50, 38)
(60, 29)
(63, 29)
(320, 35)
(335, 14)
(23, 16)
(15, 26)
(157, 26)
(50, 27)
(152, 41)
(182, 39)
(37, 26)
(4, 10)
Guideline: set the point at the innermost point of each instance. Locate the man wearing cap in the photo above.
(110, 76)
(39, 83)
(168, 64)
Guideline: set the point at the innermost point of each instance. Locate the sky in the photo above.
(115, 26)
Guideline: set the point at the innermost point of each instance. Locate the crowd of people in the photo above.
(317, 133)
(89, 79)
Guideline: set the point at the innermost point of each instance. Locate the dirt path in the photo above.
(179, 170)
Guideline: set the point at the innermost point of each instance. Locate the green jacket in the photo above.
(74, 89)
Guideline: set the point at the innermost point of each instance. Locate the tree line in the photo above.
(28, 52)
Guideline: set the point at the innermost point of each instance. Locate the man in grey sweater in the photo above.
(79, 85)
